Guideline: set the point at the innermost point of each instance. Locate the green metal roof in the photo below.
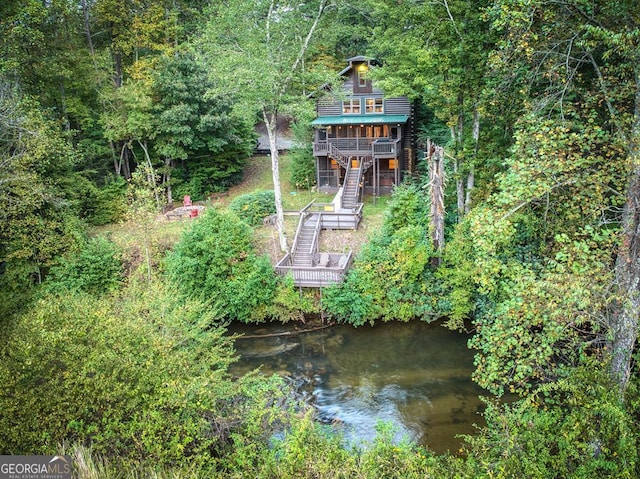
(359, 119)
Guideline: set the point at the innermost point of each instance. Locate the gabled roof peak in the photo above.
(360, 59)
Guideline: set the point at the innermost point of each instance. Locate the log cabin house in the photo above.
(362, 144)
(360, 127)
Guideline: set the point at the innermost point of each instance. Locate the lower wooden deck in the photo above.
(319, 275)
(311, 268)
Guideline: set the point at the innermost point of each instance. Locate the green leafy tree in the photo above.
(96, 268)
(391, 278)
(215, 261)
(39, 222)
(575, 426)
(302, 169)
(44, 55)
(253, 207)
(192, 124)
(437, 52)
(533, 264)
(141, 380)
(573, 56)
(258, 51)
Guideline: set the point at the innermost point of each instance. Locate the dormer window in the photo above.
(351, 106)
(374, 105)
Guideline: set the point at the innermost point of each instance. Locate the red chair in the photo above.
(186, 201)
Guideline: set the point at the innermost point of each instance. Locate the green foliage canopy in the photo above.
(215, 261)
(142, 378)
(254, 207)
(392, 277)
(96, 268)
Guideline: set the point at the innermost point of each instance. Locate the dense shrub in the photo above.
(142, 379)
(575, 426)
(392, 277)
(200, 177)
(95, 268)
(302, 166)
(305, 450)
(302, 169)
(254, 207)
(111, 203)
(215, 261)
(97, 205)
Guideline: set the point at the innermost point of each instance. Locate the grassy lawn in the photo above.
(257, 176)
(162, 234)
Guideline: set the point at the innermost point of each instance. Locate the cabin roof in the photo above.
(359, 119)
(358, 59)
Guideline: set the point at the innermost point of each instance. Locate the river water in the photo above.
(415, 376)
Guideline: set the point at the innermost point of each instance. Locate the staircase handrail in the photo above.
(316, 234)
(294, 247)
(346, 176)
(340, 157)
(359, 185)
(366, 163)
(303, 210)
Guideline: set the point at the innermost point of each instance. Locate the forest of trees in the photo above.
(117, 354)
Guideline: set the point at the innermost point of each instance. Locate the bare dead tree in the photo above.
(435, 158)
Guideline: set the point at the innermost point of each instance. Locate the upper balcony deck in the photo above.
(373, 147)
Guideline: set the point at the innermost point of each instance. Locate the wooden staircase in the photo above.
(306, 243)
(335, 153)
(351, 189)
(305, 263)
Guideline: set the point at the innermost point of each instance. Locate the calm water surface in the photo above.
(416, 376)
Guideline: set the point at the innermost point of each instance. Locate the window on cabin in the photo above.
(362, 80)
(374, 105)
(361, 73)
(351, 106)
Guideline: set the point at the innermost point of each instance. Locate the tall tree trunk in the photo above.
(123, 166)
(270, 120)
(436, 190)
(87, 28)
(457, 132)
(168, 162)
(86, 16)
(624, 323)
(151, 173)
(471, 179)
(117, 69)
(457, 175)
(475, 133)
(63, 107)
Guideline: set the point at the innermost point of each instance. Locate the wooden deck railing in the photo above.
(316, 277)
(303, 215)
(332, 267)
(377, 147)
(342, 220)
(337, 220)
(346, 176)
(385, 148)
